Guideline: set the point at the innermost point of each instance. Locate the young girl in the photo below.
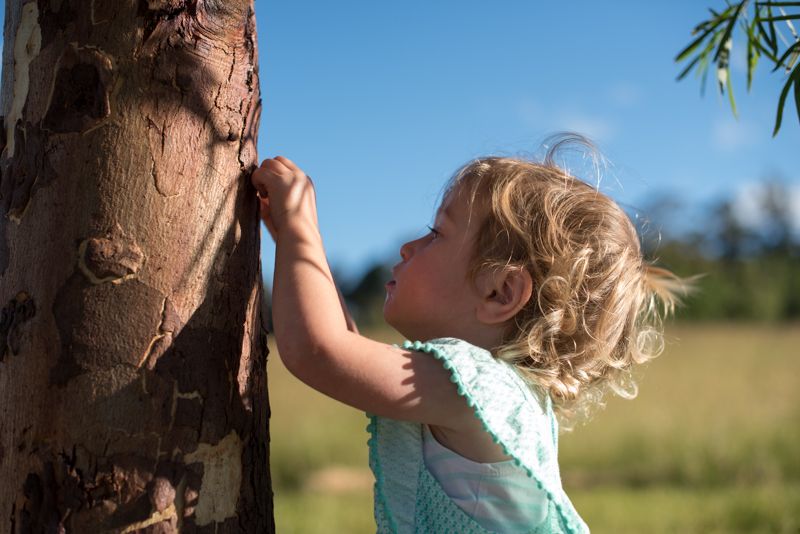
(528, 297)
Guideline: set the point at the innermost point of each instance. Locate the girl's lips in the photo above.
(390, 284)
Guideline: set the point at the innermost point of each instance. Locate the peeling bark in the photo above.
(132, 348)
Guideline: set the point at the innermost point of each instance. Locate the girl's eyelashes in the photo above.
(436, 233)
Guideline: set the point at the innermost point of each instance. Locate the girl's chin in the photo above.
(388, 319)
(411, 334)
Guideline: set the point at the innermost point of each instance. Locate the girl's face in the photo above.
(430, 295)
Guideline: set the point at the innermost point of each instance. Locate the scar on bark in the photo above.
(80, 97)
(26, 172)
(60, 497)
(18, 310)
(113, 258)
(161, 342)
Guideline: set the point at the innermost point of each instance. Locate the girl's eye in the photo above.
(434, 232)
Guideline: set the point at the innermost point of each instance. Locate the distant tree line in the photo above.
(749, 269)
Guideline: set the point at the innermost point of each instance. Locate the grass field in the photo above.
(710, 444)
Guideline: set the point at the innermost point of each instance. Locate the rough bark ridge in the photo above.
(132, 351)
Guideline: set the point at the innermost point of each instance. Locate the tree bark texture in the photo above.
(133, 354)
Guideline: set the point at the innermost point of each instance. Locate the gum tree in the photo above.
(132, 352)
(769, 31)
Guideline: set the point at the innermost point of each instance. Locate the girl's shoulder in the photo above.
(481, 378)
(500, 407)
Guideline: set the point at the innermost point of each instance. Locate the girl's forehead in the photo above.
(445, 205)
(455, 194)
(449, 205)
(458, 206)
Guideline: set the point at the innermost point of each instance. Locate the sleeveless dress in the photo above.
(498, 495)
(408, 498)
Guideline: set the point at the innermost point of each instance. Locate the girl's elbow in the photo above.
(291, 355)
(299, 358)
(288, 359)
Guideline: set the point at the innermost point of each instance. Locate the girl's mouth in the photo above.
(390, 284)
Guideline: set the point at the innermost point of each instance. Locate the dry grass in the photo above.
(710, 444)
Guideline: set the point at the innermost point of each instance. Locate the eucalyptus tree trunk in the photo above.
(132, 352)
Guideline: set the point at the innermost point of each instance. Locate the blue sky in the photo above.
(381, 101)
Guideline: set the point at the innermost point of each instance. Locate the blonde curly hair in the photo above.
(597, 305)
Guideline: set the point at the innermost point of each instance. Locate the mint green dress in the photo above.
(407, 496)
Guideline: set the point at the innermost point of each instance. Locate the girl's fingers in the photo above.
(258, 181)
(272, 169)
(264, 211)
(291, 188)
(278, 165)
(287, 163)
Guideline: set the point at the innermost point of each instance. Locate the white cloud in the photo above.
(625, 94)
(794, 203)
(593, 126)
(596, 127)
(730, 134)
(747, 204)
(750, 196)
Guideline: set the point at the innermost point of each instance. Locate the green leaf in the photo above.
(702, 67)
(752, 52)
(781, 101)
(731, 99)
(794, 49)
(729, 29)
(701, 60)
(795, 75)
(691, 64)
(779, 4)
(691, 46)
(773, 34)
(797, 96)
(781, 17)
(766, 52)
(702, 71)
(707, 27)
(769, 37)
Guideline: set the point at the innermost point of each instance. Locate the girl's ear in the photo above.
(504, 292)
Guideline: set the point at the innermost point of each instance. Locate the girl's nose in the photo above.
(406, 250)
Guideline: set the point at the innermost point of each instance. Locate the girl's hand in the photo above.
(264, 212)
(287, 199)
(286, 194)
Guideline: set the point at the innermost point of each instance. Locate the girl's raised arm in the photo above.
(311, 328)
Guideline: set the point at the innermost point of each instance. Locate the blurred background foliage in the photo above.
(746, 251)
